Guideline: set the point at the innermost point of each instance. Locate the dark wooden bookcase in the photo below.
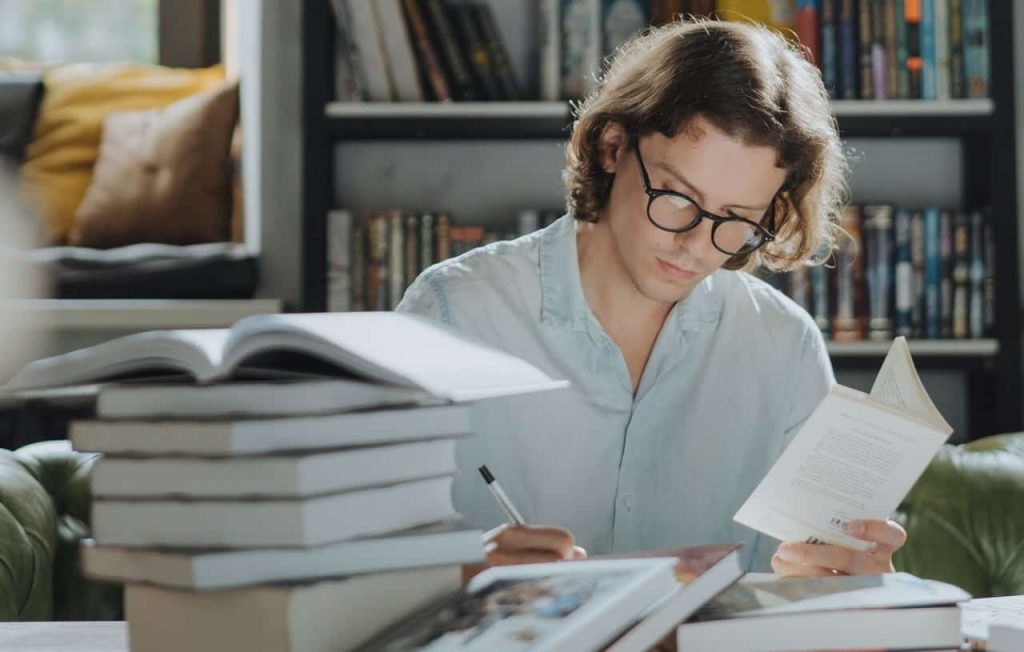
(984, 127)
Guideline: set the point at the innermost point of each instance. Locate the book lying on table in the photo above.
(248, 399)
(855, 457)
(279, 476)
(386, 347)
(269, 523)
(579, 605)
(980, 615)
(437, 544)
(701, 573)
(764, 612)
(1006, 637)
(264, 436)
(292, 617)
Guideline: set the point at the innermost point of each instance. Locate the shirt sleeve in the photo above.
(814, 379)
(426, 297)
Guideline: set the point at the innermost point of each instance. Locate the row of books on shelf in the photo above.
(922, 273)
(927, 273)
(248, 510)
(444, 50)
(373, 260)
(420, 50)
(898, 49)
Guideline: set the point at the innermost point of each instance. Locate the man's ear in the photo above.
(612, 145)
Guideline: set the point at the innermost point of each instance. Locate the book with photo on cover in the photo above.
(385, 347)
(764, 612)
(855, 457)
(577, 605)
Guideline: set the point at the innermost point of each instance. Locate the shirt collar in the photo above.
(564, 305)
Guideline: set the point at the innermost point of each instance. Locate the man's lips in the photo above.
(675, 271)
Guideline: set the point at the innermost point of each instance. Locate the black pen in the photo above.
(502, 498)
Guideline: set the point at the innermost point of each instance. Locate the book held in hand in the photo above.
(579, 605)
(764, 612)
(386, 347)
(855, 457)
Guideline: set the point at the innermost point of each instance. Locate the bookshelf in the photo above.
(983, 128)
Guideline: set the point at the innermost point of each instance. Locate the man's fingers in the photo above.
(782, 567)
(889, 536)
(579, 553)
(512, 538)
(844, 560)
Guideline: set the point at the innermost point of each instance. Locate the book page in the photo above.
(394, 348)
(899, 386)
(852, 459)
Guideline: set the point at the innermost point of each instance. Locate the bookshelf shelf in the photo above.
(142, 314)
(550, 120)
(918, 348)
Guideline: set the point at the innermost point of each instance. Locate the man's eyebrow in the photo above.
(696, 191)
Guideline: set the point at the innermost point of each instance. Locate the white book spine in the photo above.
(942, 80)
(398, 49)
(371, 53)
(339, 257)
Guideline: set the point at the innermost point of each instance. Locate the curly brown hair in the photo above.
(747, 81)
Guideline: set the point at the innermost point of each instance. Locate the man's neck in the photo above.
(610, 292)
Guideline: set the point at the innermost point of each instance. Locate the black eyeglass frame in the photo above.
(767, 235)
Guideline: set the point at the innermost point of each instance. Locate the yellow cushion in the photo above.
(60, 158)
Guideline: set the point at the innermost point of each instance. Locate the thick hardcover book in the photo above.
(396, 258)
(902, 73)
(932, 273)
(865, 31)
(349, 84)
(979, 272)
(501, 63)
(878, 232)
(429, 59)
(957, 85)
(412, 249)
(917, 260)
(580, 605)
(702, 572)
(855, 457)
(377, 261)
(293, 617)
(764, 612)
(438, 544)
(829, 59)
(946, 274)
(892, 59)
(807, 28)
(271, 523)
(444, 236)
(339, 260)
(262, 436)
(391, 348)
(976, 44)
(912, 18)
(428, 253)
(442, 32)
(474, 48)
(284, 475)
(905, 295)
(849, 71)
(399, 51)
(961, 274)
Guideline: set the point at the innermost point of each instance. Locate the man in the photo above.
(708, 149)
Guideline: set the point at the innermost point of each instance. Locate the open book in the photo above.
(855, 457)
(384, 347)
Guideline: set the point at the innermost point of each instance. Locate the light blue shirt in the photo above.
(736, 368)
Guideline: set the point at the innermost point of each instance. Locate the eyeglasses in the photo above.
(675, 212)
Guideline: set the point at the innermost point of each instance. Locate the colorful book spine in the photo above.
(929, 85)
(501, 63)
(443, 241)
(976, 298)
(430, 62)
(942, 85)
(807, 28)
(975, 44)
(428, 255)
(961, 275)
(932, 274)
(829, 46)
(917, 257)
(866, 45)
(902, 71)
(453, 59)
(474, 47)
(905, 295)
(988, 231)
(956, 50)
(377, 261)
(848, 321)
(946, 274)
(878, 232)
(912, 19)
(892, 60)
(849, 72)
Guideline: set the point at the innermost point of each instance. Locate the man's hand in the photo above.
(794, 558)
(525, 544)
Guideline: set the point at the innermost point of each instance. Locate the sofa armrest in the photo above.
(965, 518)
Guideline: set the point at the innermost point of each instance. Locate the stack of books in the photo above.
(269, 508)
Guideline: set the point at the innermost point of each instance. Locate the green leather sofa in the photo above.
(965, 518)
